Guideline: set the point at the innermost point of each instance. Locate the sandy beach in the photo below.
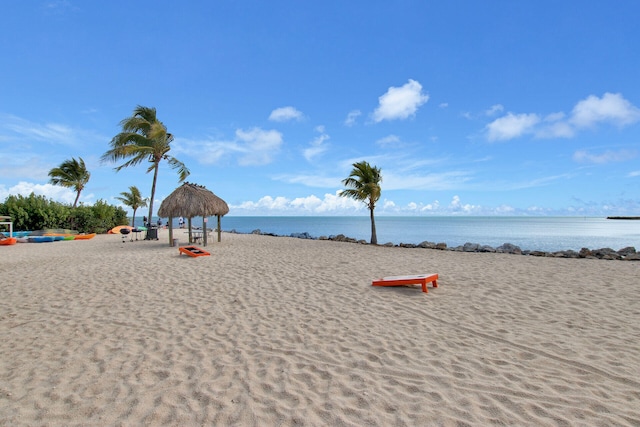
(279, 331)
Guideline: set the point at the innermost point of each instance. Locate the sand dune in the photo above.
(281, 331)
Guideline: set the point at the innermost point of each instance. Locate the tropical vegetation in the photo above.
(39, 213)
(71, 174)
(134, 200)
(144, 138)
(364, 182)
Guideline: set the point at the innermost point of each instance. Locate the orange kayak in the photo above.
(84, 236)
(8, 241)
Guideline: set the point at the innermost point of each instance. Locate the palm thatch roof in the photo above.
(191, 200)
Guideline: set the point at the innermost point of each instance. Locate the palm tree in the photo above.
(71, 174)
(364, 181)
(134, 200)
(144, 137)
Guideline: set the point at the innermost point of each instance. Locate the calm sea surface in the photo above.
(533, 233)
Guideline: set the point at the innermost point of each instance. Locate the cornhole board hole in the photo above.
(417, 279)
(193, 251)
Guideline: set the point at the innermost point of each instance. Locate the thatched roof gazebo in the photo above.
(192, 200)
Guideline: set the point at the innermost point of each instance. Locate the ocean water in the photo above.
(529, 233)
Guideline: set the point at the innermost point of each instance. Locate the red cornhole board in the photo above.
(418, 279)
(193, 251)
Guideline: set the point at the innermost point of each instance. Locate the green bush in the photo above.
(38, 213)
(34, 212)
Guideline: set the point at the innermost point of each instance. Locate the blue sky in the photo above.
(469, 108)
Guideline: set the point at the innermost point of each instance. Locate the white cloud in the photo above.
(554, 126)
(388, 140)
(388, 204)
(494, 109)
(213, 151)
(309, 204)
(334, 204)
(54, 192)
(400, 102)
(59, 7)
(511, 126)
(317, 146)
(329, 204)
(15, 166)
(633, 174)
(337, 203)
(315, 181)
(431, 181)
(554, 117)
(351, 117)
(456, 206)
(285, 114)
(583, 156)
(431, 206)
(258, 145)
(611, 108)
(13, 128)
(265, 203)
(253, 147)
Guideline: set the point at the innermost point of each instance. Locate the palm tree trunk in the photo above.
(153, 192)
(374, 237)
(133, 220)
(76, 201)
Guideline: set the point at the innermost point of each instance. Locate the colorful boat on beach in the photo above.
(59, 232)
(8, 241)
(84, 236)
(63, 234)
(41, 239)
(44, 236)
(59, 237)
(20, 234)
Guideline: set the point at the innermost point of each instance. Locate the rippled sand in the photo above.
(281, 331)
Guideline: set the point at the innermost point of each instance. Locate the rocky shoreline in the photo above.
(625, 254)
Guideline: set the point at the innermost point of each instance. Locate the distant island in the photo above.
(623, 217)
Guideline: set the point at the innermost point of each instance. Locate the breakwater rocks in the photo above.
(625, 254)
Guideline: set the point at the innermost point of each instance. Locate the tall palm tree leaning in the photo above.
(134, 200)
(144, 137)
(364, 181)
(71, 174)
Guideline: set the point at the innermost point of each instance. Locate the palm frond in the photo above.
(71, 174)
(364, 182)
(132, 162)
(144, 138)
(183, 171)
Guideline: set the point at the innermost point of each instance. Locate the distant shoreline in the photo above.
(624, 217)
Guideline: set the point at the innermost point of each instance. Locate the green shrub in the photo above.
(34, 212)
(37, 213)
